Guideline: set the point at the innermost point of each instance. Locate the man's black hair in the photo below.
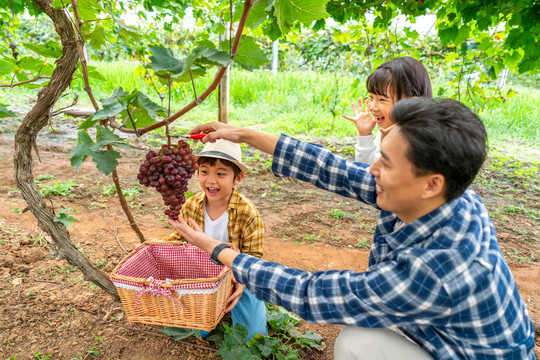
(406, 75)
(212, 162)
(445, 137)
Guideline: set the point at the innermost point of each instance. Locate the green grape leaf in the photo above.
(308, 338)
(79, 154)
(448, 35)
(58, 4)
(142, 110)
(7, 66)
(93, 73)
(109, 111)
(51, 49)
(491, 73)
(257, 14)
(106, 137)
(511, 93)
(206, 43)
(180, 333)
(89, 9)
(527, 65)
(21, 76)
(269, 5)
(207, 56)
(88, 123)
(271, 29)
(512, 58)
(47, 70)
(106, 160)
(164, 63)
(96, 38)
(30, 63)
(463, 33)
(249, 55)
(268, 345)
(112, 106)
(234, 345)
(288, 12)
(5, 112)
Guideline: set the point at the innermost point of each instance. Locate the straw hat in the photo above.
(225, 149)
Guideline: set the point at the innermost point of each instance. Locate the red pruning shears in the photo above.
(193, 136)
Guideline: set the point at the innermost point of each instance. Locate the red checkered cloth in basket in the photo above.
(162, 263)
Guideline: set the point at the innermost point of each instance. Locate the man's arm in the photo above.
(217, 130)
(389, 295)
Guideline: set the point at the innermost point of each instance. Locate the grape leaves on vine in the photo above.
(106, 160)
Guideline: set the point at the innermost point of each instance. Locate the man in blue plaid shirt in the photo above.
(437, 285)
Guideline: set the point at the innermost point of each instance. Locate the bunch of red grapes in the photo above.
(169, 170)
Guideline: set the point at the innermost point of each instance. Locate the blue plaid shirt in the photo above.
(441, 279)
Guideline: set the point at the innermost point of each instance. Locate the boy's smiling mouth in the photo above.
(212, 190)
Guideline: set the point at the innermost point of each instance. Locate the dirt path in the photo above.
(48, 307)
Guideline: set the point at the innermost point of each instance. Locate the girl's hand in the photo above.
(235, 296)
(363, 121)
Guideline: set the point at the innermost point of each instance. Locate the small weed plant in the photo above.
(363, 243)
(110, 190)
(340, 214)
(59, 188)
(284, 341)
(39, 356)
(15, 210)
(64, 218)
(42, 178)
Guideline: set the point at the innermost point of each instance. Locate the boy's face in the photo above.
(218, 181)
(399, 190)
(380, 107)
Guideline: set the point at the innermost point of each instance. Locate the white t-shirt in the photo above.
(218, 229)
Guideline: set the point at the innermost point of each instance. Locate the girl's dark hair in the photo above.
(444, 137)
(406, 76)
(212, 162)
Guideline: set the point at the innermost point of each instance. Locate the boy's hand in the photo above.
(363, 121)
(235, 296)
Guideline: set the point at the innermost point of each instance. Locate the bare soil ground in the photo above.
(47, 307)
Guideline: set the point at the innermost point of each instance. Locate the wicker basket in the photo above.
(169, 283)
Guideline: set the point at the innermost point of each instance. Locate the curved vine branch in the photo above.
(25, 82)
(247, 7)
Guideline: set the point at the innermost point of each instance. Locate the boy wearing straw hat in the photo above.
(227, 215)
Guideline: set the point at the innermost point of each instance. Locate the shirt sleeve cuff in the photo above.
(241, 266)
(365, 141)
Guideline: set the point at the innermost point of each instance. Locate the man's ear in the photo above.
(435, 186)
(239, 178)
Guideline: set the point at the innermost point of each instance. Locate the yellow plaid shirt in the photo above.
(245, 223)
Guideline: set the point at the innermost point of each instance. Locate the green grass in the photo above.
(518, 118)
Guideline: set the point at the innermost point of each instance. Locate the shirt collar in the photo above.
(420, 229)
